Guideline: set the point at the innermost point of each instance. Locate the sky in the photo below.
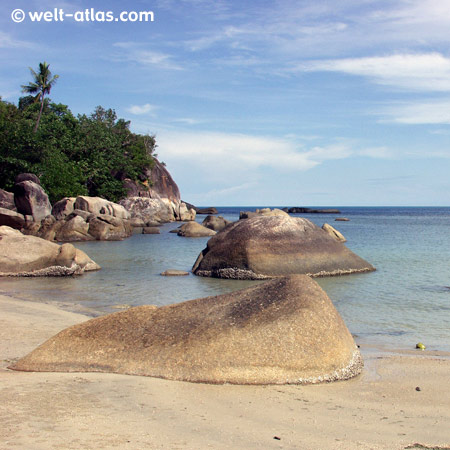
(282, 102)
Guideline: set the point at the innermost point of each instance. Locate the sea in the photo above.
(404, 302)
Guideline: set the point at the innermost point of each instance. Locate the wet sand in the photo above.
(380, 409)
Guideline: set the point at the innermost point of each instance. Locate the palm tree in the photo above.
(42, 84)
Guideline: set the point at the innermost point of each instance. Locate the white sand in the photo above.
(380, 409)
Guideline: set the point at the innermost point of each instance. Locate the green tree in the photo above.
(41, 86)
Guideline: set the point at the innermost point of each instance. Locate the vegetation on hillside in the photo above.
(83, 155)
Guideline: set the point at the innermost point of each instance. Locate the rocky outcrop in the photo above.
(30, 199)
(272, 246)
(333, 232)
(215, 223)
(262, 212)
(147, 209)
(302, 210)
(7, 200)
(98, 205)
(31, 256)
(161, 198)
(63, 208)
(194, 229)
(84, 226)
(11, 218)
(210, 211)
(284, 331)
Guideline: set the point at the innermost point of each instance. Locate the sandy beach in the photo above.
(380, 409)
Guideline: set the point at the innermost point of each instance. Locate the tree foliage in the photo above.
(41, 85)
(84, 155)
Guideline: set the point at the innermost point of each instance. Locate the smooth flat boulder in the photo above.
(174, 273)
(29, 256)
(11, 218)
(279, 332)
(210, 210)
(31, 199)
(216, 223)
(272, 246)
(194, 229)
(151, 230)
(333, 232)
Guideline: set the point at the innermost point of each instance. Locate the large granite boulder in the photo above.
(30, 256)
(31, 199)
(7, 200)
(194, 229)
(282, 331)
(216, 223)
(271, 246)
(11, 218)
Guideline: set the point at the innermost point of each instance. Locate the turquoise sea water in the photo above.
(405, 301)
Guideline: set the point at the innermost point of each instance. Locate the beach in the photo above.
(380, 409)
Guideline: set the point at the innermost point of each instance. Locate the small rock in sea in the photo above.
(150, 230)
(341, 219)
(174, 273)
(418, 389)
(277, 438)
(421, 346)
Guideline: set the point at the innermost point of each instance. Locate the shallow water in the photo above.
(405, 301)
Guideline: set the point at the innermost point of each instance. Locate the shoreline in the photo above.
(379, 409)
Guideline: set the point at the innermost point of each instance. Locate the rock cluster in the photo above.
(282, 331)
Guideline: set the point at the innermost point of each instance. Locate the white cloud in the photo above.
(424, 72)
(231, 154)
(136, 52)
(141, 109)
(7, 41)
(430, 112)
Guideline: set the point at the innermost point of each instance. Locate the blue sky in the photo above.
(261, 102)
